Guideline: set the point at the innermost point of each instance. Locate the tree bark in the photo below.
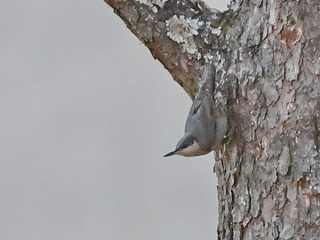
(267, 60)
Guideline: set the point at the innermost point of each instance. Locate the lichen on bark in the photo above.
(267, 70)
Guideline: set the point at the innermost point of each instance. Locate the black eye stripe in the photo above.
(188, 142)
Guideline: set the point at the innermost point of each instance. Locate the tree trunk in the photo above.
(267, 60)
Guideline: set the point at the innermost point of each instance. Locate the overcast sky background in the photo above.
(86, 117)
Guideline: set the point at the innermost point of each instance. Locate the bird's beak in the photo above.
(171, 153)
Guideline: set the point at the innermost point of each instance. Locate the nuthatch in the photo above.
(206, 125)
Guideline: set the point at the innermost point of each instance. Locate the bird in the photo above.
(205, 126)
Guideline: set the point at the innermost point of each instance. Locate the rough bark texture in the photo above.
(181, 34)
(267, 59)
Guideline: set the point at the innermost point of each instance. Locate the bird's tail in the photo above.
(208, 78)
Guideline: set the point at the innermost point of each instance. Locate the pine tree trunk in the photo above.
(267, 60)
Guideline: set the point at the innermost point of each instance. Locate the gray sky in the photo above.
(86, 117)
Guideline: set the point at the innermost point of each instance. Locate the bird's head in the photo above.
(188, 146)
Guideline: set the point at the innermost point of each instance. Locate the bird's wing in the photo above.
(193, 119)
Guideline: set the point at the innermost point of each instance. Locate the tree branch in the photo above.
(267, 58)
(181, 34)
